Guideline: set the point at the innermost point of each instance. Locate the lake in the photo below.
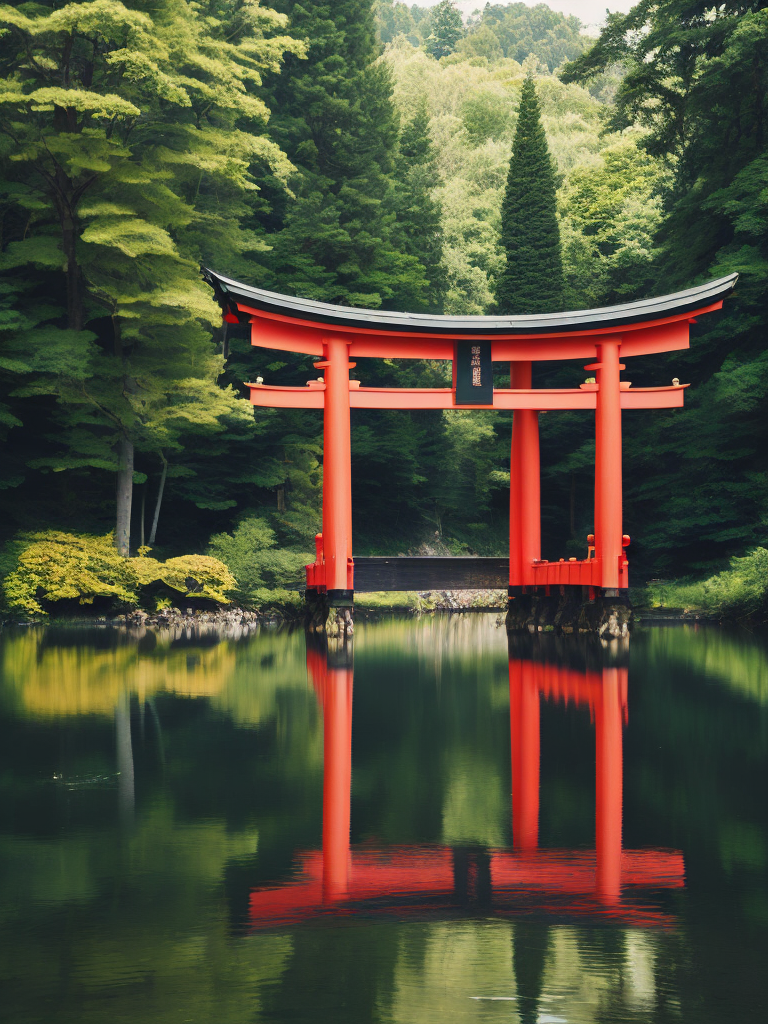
(442, 827)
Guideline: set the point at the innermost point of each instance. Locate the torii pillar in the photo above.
(608, 485)
(337, 472)
(524, 486)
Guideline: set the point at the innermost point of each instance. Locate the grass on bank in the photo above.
(739, 592)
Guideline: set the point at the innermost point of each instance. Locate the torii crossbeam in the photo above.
(339, 334)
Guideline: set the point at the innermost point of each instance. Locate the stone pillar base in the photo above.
(609, 618)
(321, 616)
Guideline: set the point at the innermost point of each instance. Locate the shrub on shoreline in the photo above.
(741, 591)
(265, 573)
(44, 568)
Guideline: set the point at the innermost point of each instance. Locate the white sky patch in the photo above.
(591, 13)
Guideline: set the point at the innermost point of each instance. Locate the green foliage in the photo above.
(55, 566)
(201, 576)
(737, 592)
(41, 569)
(517, 30)
(137, 142)
(611, 214)
(393, 18)
(512, 31)
(130, 138)
(419, 227)
(531, 280)
(335, 118)
(695, 80)
(263, 572)
(446, 29)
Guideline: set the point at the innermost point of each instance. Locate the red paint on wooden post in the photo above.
(524, 486)
(608, 785)
(608, 496)
(337, 467)
(337, 781)
(524, 735)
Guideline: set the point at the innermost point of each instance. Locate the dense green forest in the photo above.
(358, 153)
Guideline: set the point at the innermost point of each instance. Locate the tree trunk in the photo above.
(159, 500)
(74, 301)
(68, 222)
(143, 509)
(124, 495)
(126, 795)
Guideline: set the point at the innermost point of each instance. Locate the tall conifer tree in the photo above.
(532, 278)
(334, 115)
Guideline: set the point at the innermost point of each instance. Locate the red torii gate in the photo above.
(524, 880)
(339, 334)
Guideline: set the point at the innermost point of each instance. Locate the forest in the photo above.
(358, 153)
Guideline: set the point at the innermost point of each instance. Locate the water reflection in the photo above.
(426, 880)
(154, 795)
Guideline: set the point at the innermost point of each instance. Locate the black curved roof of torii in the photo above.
(230, 293)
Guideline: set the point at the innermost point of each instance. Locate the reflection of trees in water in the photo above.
(140, 915)
(474, 971)
(242, 679)
(143, 917)
(81, 679)
(463, 642)
(432, 696)
(737, 658)
(136, 919)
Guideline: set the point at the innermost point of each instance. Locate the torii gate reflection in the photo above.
(605, 693)
(435, 880)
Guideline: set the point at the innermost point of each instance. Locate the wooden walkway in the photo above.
(430, 573)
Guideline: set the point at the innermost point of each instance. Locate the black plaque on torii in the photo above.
(474, 373)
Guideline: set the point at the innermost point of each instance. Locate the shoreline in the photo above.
(369, 608)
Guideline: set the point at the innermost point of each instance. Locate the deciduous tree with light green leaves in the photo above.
(128, 137)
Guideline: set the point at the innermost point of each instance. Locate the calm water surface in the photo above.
(221, 830)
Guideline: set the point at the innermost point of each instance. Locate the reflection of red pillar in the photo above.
(337, 467)
(524, 733)
(608, 785)
(337, 781)
(524, 486)
(608, 485)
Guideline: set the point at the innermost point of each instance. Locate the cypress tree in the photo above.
(532, 279)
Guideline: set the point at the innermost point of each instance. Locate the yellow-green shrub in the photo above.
(209, 577)
(54, 566)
